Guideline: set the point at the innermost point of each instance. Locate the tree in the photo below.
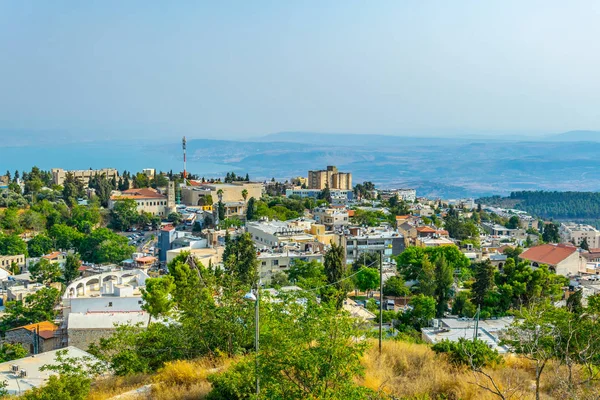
(443, 285)
(395, 286)
(367, 279)
(174, 218)
(422, 311)
(306, 352)
(513, 222)
(36, 307)
(533, 337)
(244, 194)
(39, 245)
(105, 246)
(584, 244)
(45, 271)
(65, 237)
(307, 274)
(9, 352)
(484, 281)
(472, 353)
(239, 258)
(250, 209)
(71, 269)
(335, 271)
(551, 234)
(221, 210)
(124, 214)
(157, 296)
(12, 245)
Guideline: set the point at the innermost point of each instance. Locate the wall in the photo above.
(86, 304)
(82, 338)
(25, 338)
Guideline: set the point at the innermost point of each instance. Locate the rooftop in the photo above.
(46, 329)
(143, 193)
(35, 377)
(550, 254)
(105, 320)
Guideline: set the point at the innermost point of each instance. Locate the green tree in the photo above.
(221, 210)
(65, 237)
(307, 274)
(105, 246)
(10, 220)
(335, 271)
(157, 296)
(422, 311)
(314, 345)
(395, 286)
(71, 269)
(471, 353)
(239, 259)
(124, 214)
(32, 220)
(367, 279)
(36, 307)
(484, 281)
(513, 222)
(250, 209)
(85, 218)
(174, 218)
(45, 271)
(584, 244)
(551, 234)
(9, 352)
(12, 245)
(443, 285)
(39, 245)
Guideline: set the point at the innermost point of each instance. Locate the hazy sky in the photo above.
(247, 68)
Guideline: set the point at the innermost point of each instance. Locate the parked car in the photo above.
(390, 305)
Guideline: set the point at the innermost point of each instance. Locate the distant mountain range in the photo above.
(437, 167)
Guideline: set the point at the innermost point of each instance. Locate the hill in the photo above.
(551, 205)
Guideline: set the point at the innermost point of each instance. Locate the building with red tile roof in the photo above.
(563, 259)
(147, 200)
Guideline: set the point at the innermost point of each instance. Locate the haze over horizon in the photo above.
(247, 69)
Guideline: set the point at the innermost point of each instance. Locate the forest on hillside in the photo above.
(555, 205)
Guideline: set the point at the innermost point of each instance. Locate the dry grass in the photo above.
(186, 380)
(107, 388)
(414, 371)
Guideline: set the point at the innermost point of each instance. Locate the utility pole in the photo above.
(476, 322)
(256, 341)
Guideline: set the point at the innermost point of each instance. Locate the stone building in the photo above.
(35, 338)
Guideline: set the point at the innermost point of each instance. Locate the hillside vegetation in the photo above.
(404, 371)
(556, 205)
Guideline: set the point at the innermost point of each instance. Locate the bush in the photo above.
(472, 353)
(63, 387)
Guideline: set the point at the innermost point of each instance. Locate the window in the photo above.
(264, 263)
(110, 303)
(140, 302)
(275, 262)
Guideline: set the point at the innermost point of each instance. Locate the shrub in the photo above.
(472, 353)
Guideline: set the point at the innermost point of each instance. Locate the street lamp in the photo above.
(254, 296)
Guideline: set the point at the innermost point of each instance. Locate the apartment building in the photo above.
(360, 240)
(408, 195)
(576, 233)
(272, 262)
(84, 175)
(231, 194)
(7, 261)
(330, 177)
(341, 194)
(331, 217)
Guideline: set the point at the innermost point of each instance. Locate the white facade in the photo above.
(271, 263)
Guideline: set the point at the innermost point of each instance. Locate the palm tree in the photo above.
(245, 194)
(220, 194)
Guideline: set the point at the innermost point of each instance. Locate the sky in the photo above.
(241, 69)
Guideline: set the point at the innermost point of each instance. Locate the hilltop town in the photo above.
(286, 289)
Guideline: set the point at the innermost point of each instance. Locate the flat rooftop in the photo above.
(32, 364)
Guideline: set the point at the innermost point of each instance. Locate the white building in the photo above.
(147, 200)
(331, 217)
(276, 233)
(576, 233)
(272, 262)
(360, 240)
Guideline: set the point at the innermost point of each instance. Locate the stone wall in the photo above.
(82, 338)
